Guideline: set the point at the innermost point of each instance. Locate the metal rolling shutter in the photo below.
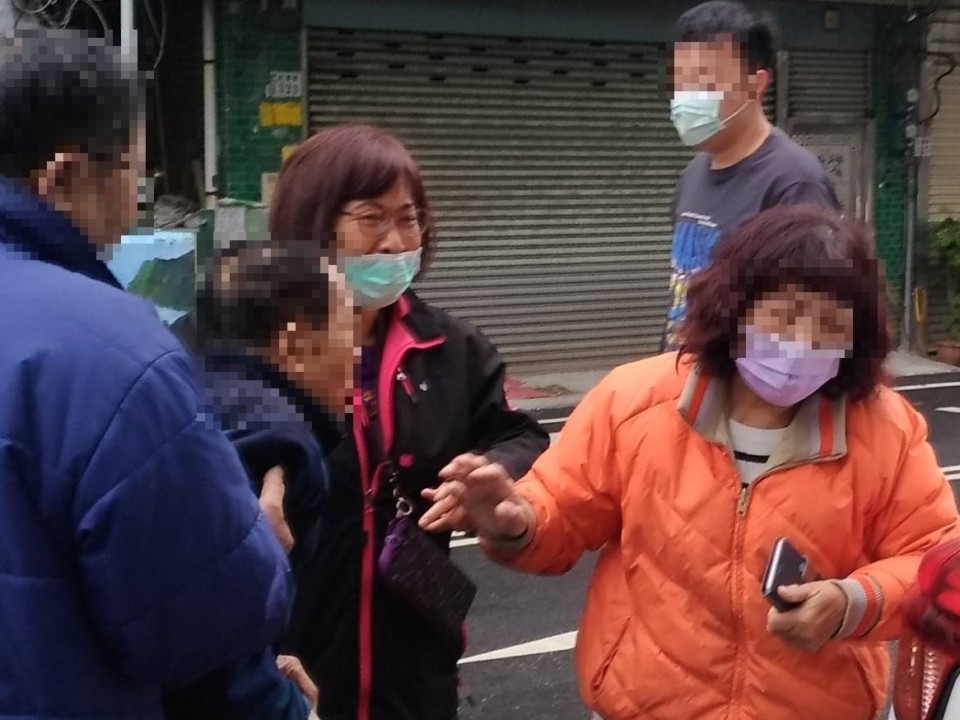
(828, 97)
(828, 83)
(944, 161)
(770, 101)
(551, 166)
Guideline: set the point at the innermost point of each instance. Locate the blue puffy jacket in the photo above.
(132, 551)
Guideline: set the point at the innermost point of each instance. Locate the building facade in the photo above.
(543, 131)
(939, 186)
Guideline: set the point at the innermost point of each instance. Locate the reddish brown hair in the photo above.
(337, 166)
(802, 245)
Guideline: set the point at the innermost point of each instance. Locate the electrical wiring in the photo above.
(163, 30)
(927, 15)
(38, 13)
(936, 84)
(96, 11)
(45, 12)
(18, 5)
(159, 30)
(151, 18)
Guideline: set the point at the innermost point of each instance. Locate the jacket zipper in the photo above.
(371, 484)
(407, 384)
(743, 504)
(740, 521)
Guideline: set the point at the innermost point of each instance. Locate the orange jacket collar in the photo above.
(817, 432)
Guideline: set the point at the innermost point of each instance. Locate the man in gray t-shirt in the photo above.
(722, 69)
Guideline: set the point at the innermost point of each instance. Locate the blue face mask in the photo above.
(379, 280)
(696, 115)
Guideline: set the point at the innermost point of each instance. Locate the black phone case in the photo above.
(786, 566)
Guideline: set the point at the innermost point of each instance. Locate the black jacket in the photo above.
(270, 423)
(446, 397)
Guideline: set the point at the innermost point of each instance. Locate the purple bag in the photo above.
(422, 575)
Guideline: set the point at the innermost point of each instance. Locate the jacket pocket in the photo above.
(610, 697)
(867, 682)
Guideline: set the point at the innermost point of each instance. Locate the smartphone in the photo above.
(787, 566)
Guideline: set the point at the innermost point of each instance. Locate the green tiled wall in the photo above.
(252, 43)
(890, 88)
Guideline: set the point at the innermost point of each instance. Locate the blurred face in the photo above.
(100, 199)
(812, 319)
(718, 66)
(388, 224)
(322, 358)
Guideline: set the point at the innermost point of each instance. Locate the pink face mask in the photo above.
(785, 372)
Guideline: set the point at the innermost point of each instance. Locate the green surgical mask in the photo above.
(696, 115)
(379, 280)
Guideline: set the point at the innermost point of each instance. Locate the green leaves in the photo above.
(945, 242)
(945, 250)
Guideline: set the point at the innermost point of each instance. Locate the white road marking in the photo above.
(928, 386)
(555, 643)
(954, 410)
(463, 542)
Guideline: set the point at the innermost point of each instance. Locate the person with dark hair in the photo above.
(133, 554)
(278, 339)
(277, 332)
(723, 66)
(430, 395)
(685, 470)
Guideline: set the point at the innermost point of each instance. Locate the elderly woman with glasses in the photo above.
(429, 397)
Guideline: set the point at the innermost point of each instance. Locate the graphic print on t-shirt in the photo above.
(694, 238)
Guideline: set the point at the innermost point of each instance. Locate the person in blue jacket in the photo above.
(276, 331)
(133, 555)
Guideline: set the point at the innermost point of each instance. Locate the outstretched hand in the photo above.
(476, 495)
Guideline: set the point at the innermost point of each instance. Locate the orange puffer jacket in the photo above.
(675, 625)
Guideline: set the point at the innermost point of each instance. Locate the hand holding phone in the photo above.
(786, 566)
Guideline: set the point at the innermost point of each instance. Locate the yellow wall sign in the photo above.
(281, 114)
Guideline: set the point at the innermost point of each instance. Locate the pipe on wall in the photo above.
(128, 37)
(910, 240)
(210, 147)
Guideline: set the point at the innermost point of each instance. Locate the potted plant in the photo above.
(945, 247)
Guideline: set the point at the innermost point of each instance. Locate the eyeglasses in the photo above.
(376, 225)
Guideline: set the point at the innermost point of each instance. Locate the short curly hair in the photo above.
(800, 245)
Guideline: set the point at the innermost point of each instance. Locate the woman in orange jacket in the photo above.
(684, 470)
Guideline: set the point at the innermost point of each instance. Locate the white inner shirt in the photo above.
(752, 448)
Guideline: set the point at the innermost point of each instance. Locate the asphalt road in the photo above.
(512, 609)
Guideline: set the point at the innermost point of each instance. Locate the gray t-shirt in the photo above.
(710, 203)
